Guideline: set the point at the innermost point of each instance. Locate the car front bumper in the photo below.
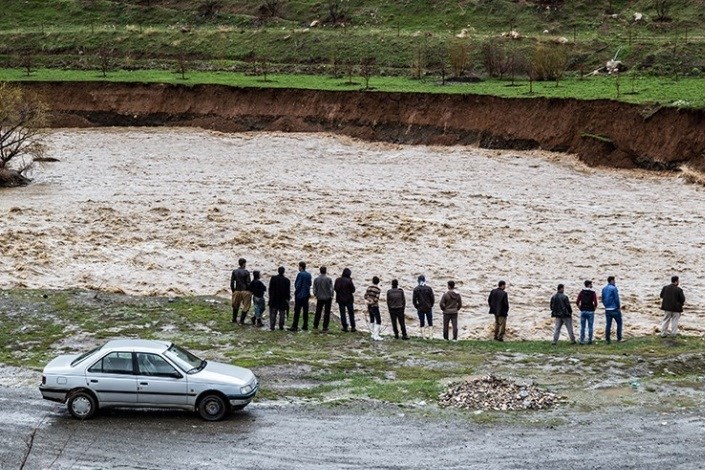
(53, 394)
(236, 400)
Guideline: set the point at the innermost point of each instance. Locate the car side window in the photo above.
(154, 365)
(114, 363)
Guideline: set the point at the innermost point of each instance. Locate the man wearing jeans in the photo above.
(587, 303)
(610, 299)
(302, 292)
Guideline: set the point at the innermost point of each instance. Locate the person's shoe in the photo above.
(281, 328)
(619, 340)
(500, 339)
(352, 330)
(589, 342)
(608, 341)
(254, 320)
(405, 338)
(305, 328)
(292, 329)
(324, 330)
(259, 323)
(553, 343)
(572, 341)
(271, 328)
(344, 329)
(235, 317)
(315, 327)
(396, 336)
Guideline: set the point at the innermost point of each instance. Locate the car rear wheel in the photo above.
(212, 408)
(82, 405)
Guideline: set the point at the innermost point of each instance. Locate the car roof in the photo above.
(142, 345)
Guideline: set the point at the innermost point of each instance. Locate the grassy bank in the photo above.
(684, 93)
(337, 367)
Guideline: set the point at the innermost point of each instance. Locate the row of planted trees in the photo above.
(455, 61)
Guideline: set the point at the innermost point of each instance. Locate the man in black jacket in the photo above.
(423, 299)
(499, 307)
(344, 289)
(396, 303)
(240, 288)
(279, 296)
(258, 289)
(562, 314)
(672, 305)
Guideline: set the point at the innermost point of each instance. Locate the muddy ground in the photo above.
(169, 211)
(356, 435)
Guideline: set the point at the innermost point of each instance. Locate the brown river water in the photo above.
(169, 212)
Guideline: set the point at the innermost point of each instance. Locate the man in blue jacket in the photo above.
(610, 299)
(302, 292)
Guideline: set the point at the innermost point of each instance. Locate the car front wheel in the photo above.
(82, 405)
(212, 408)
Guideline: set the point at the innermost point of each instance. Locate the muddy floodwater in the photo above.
(169, 212)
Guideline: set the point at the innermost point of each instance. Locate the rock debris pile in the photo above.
(498, 394)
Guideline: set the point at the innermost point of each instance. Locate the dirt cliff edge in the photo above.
(601, 132)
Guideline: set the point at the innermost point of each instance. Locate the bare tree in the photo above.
(338, 11)
(27, 62)
(459, 54)
(182, 65)
(210, 8)
(418, 62)
(662, 8)
(22, 120)
(368, 65)
(264, 67)
(269, 9)
(494, 57)
(105, 57)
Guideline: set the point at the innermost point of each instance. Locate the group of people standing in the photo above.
(672, 301)
(248, 291)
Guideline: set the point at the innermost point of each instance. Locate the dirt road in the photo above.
(270, 436)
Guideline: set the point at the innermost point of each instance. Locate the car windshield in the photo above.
(186, 361)
(84, 355)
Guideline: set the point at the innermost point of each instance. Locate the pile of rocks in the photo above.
(499, 394)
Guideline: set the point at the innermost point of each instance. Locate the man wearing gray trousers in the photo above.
(562, 314)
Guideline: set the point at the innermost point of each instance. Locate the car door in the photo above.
(159, 383)
(113, 379)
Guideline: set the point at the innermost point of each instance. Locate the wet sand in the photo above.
(169, 211)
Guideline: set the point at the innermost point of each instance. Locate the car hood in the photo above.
(223, 373)
(60, 364)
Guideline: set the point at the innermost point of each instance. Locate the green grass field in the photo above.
(400, 36)
(663, 91)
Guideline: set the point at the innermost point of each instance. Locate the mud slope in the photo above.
(600, 132)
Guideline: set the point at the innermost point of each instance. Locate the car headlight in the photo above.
(246, 389)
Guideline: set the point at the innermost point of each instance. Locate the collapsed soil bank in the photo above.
(600, 132)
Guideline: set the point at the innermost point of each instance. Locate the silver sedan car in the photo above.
(146, 374)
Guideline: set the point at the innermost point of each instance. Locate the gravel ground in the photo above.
(271, 436)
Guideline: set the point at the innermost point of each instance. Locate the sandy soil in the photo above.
(169, 211)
